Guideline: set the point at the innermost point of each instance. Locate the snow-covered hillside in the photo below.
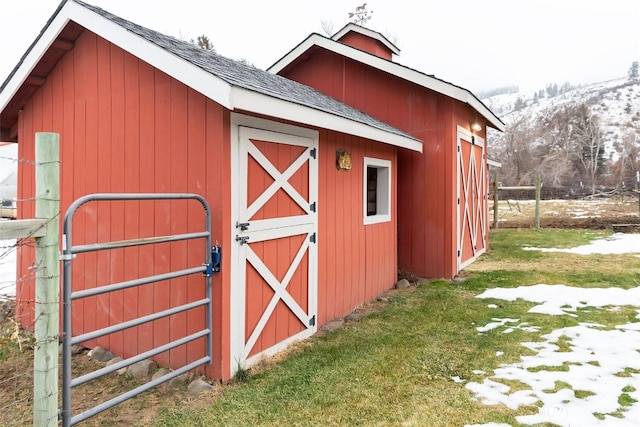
(615, 102)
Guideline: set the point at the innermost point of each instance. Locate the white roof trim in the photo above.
(398, 70)
(32, 59)
(206, 83)
(494, 163)
(367, 32)
(247, 100)
(189, 74)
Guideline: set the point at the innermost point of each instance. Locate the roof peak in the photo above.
(367, 32)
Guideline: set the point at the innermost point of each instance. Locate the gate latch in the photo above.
(243, 226)
(242, 239)
(216, 261)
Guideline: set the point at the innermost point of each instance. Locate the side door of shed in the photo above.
(472, 191)
(274, 284)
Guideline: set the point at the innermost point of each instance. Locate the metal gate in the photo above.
(210, 265)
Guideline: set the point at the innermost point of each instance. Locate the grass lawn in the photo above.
(400, 365)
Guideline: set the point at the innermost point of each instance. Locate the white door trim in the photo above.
(462, 181)
(264, 230)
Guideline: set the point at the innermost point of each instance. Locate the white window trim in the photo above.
(384, 188)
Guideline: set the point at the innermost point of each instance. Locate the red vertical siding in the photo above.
(356, 262)
(367, 44)
(126, 127)
(146, 79)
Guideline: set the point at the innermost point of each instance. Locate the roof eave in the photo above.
(254, 102)
(189, 74)
(31, 58)
(432, 83)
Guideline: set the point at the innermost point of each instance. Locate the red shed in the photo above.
(442, 192)
(138, 111)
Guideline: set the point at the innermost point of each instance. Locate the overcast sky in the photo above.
(477, 44)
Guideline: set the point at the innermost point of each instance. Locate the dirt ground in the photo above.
(16, 392)
(591, 214)
(16, 365)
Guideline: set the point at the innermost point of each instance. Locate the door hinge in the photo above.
(473, 140)
(458, 253)
(243, 226)
(312, 238)
(312, 208)
(313, 153)
(242, 239)
(312, 321)
(458, 148)
(458, 200)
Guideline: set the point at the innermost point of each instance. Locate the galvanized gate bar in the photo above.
(132, 393)
(139, 321)
(136, 282)
(118, 244)
(135, 359)
(69, 252)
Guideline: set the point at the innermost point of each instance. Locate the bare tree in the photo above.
(327, 27)
(628, 150)
(587, 136)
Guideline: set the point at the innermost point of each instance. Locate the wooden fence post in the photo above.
(638, 188)
(538, 187)
(47, 304)
(495, 201)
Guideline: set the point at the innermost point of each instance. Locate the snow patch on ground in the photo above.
(618, 243)
(562, 299)
(601, 365)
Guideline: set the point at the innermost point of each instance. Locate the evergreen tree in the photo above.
(633, 70)
(203, 42)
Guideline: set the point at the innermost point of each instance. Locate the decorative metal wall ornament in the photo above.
(343, 160)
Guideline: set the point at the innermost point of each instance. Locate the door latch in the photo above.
(242, 239)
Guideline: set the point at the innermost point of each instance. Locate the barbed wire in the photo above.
(17, 343)
(29, 162)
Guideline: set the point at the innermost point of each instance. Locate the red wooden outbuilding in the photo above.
(138, 111)
(442, 191)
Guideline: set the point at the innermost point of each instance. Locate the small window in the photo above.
(377, 190)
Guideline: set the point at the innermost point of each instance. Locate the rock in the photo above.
(77, 349)
(333, 325)
(115, 360)
(459, 279)
(100, 354)
(352, 317)
(402, 284)
(142, 369)
(383, 298)
(198, 386)
(178, 382)
(160, 373)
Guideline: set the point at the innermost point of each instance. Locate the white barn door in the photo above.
(274, 284)
(472, 190)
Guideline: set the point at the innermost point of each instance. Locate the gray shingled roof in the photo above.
(246, 76)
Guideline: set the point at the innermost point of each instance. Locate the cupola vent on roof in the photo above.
(366, 40)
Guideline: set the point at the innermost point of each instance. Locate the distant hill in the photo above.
(585, 139)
